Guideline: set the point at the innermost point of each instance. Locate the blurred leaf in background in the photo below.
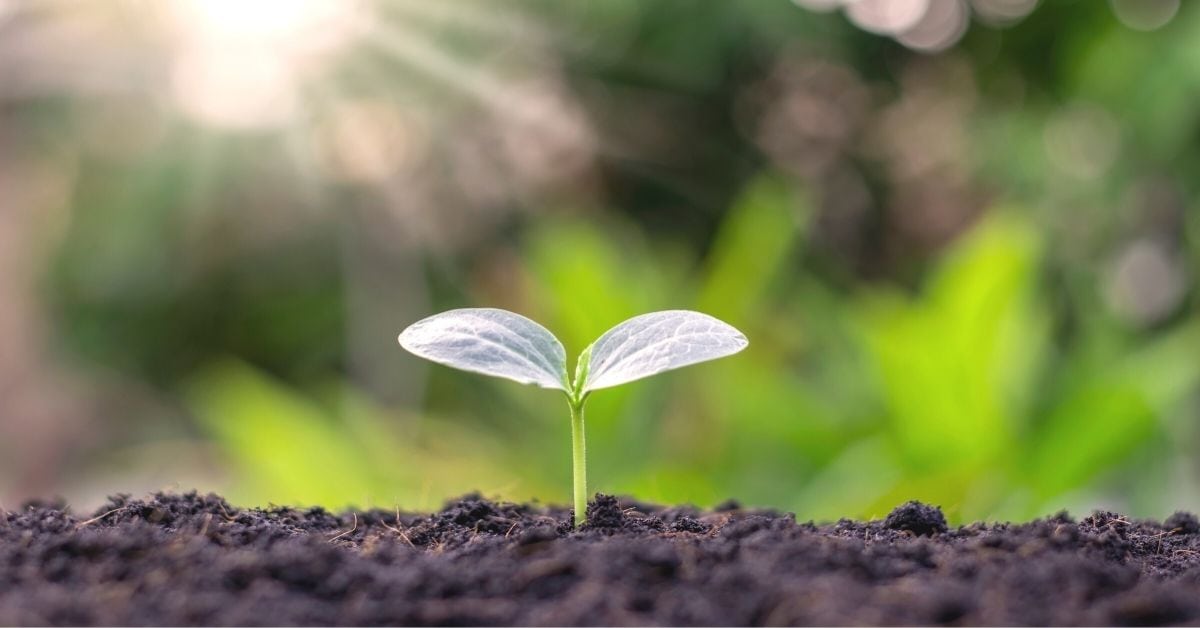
(960, 234)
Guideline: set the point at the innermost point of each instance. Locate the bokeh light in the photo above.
(942, 25)
(924, 25)
(1003, 12)
(1146, 283)
(1145, 15)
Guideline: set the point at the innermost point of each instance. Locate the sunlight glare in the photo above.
(259, 19)
(240, 63)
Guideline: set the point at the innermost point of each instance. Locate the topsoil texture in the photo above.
(192, 559)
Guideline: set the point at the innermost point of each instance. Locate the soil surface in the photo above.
(193, 559)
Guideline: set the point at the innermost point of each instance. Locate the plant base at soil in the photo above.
(192, 559)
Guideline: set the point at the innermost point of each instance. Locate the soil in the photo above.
(195, 559)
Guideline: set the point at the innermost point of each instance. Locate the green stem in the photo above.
(579, 458)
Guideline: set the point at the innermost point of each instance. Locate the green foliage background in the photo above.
(936, 310)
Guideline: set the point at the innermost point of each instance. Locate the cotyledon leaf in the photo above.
(490, 341)
(660, 341)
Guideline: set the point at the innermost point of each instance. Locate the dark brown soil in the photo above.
(191, 559)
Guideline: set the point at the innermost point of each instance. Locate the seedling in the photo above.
(503, 344)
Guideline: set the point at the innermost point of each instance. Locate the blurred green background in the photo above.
(962, 236)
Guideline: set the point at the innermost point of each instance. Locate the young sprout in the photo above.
(503, 344)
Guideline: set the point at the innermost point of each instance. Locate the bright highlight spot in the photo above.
(926, 25)
(227, 89)
(240, 63)
(944, 23)
(886, 17)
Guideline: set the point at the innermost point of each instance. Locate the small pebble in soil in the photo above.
(728, 505)
(688, 524)
(1185, 522)
(920, 519)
